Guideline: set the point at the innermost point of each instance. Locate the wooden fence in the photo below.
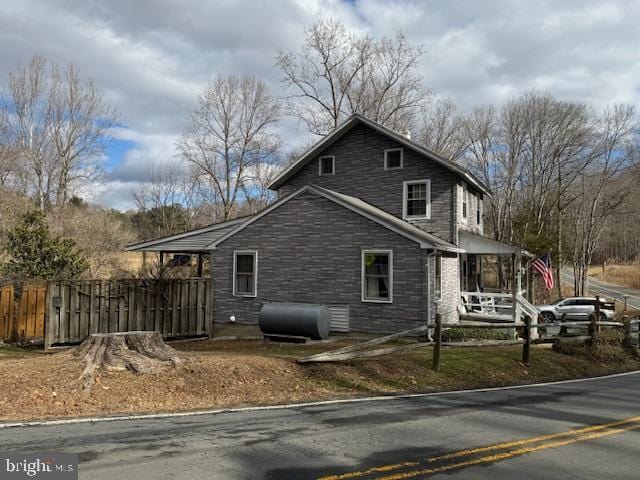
(30, 312)
(524, 330)
(175, 308)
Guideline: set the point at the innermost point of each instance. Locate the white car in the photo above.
(576, 309)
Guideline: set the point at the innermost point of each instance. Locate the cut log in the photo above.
(141, 352)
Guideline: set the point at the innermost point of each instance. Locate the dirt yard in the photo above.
(219, 374)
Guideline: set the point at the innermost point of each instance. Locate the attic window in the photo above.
(393, 158)
(327, 165)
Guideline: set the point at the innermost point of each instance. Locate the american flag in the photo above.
(543, 266)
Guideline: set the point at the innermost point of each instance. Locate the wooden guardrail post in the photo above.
(563, 329)
(438, 342)
(526, 346)
(626, 325)
(597, 311)
(593, 328)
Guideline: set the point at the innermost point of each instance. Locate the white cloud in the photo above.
(153, 57)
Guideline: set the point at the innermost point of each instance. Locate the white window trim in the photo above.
(333, 165)
(255, 273)
(427, 214)
(401, 158)
(362, 276)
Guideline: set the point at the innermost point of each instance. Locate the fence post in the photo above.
(563, 330)
(438, 344)
(597, 311)
(626, 324)
(48, 317)
(526, 346)
(593, 328)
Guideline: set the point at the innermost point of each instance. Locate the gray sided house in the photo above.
(367, 222)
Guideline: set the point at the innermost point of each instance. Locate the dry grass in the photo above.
(219, 374)
(623, 275)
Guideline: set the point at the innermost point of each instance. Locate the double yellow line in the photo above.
(491, 453)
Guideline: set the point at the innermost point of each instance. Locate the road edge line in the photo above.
(379, 398)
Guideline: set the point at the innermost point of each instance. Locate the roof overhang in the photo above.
(423, 238)
(193, 241)
(476, 244)
(403, 140)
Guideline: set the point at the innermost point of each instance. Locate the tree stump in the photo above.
(141, 352)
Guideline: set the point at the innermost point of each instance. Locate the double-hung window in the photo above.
(245, 273)
(377, 276)
(417, 199)
(327, 166)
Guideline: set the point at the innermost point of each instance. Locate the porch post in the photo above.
(199, 265)
(514, 289)
(528, 281)
(428, 294)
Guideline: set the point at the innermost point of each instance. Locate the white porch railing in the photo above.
(498, 306)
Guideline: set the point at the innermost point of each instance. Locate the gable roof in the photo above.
(186, 242)
(356, 119)
(395, 224)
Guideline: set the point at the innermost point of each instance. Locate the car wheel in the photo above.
(548, 317)
(603, 317)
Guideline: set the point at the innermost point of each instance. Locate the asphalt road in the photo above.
(505, 434)
(608, 290)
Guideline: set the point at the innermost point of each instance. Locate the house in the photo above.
(368, 222)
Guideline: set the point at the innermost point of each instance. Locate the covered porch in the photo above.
(187, 249)
(494, 280)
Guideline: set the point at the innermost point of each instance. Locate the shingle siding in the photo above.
(359, 171)
(309, 251)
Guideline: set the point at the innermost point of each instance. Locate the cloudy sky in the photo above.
(153, 57)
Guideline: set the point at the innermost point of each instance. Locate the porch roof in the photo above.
(193, 241)
(478, 245)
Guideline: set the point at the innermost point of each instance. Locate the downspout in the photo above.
(433, 254)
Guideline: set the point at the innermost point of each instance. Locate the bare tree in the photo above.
(167, 200)
(230, 134)
(100, 234)
(255, 188)
(58, 127)
(559, 147)
(338, 73)
(80, 125)
(442, 129)
(605, 185)
(8, 153)
(532, 155)
(27, 111)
